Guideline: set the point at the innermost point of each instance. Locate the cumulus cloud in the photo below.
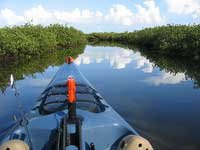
(9, 17)
(184, 7)
(166, 78)
(38, 15)
(149, 14)
(146, 13)
(120, 14)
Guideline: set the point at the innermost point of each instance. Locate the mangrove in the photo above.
(34, 40)
(170, 40)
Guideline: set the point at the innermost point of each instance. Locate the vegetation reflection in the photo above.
(190, 67)
(23, 67)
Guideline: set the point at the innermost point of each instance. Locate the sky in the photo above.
(100, 15)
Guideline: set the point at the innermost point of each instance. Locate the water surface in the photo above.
(161, 105)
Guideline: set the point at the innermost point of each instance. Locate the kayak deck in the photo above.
(101, 125)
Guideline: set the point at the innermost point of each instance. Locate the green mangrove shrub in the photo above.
(33, 40)
(170, 40)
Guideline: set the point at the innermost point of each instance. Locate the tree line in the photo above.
(170, 40)
(34, 40)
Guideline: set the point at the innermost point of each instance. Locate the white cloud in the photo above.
(120, 14)
(184, 7)
(166, 78)
(8, 17)
(146, 13)
(99, 14)
(38, 15)
(149, 14)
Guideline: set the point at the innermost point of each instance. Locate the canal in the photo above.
(160, 101)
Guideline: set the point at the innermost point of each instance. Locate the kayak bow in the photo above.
(71, 115)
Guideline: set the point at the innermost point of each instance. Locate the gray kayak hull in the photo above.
(104, 128)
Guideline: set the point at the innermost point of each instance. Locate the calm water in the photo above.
(162, 106)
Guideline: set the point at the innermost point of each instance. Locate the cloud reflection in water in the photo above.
(119, 58)
(166, 78)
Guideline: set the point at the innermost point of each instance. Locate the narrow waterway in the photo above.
(161, 105)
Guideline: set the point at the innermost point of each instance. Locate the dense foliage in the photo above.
(177, 40)
(29, 40)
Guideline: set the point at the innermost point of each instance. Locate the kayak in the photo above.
(70, 114)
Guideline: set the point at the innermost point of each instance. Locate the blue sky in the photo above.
(100, 15)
